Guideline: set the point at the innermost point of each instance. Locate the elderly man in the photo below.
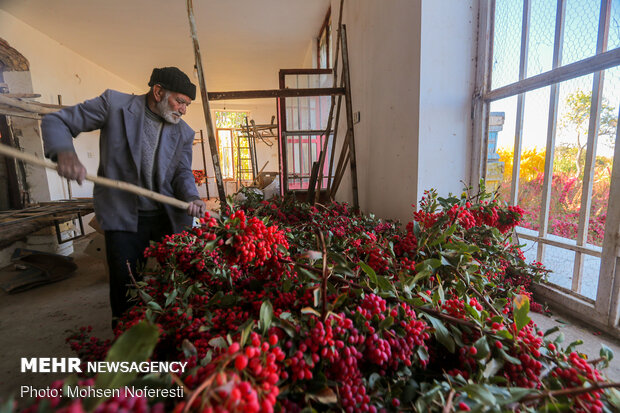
(143, 141)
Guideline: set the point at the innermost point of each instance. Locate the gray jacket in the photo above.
(120, 117)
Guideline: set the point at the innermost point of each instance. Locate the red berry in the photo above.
(241, 362)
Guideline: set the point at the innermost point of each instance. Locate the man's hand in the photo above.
(70, 167)
(197, 208)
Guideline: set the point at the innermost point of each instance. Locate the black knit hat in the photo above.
(173, 79)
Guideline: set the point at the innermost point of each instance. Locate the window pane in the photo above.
(569, 156)
(532, 167)
(580, 30)
(542, 33)
(503, 115)
(506, 43)
(561, 262)
(589, 278)
(608, 122)
(614, 26)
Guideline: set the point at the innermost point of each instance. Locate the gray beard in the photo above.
(165, 111)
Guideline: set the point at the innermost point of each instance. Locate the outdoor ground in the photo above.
(35, 323)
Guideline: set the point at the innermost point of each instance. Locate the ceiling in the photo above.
(243, 42)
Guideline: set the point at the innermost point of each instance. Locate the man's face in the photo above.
(173, 105)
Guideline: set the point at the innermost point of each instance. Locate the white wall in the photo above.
(411, 66)
(383, 44)
(447, 71)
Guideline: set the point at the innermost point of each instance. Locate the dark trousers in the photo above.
(126, 246)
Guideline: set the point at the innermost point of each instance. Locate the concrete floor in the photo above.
(35, 323)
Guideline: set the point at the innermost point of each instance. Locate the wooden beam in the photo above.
(349, 113)
(32, 107)
(205, 106)
(276, 93)
(592, 64)
(306, 71)
(560, 244)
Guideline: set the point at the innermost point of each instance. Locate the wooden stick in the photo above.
(349, 112)
(110, 183)
(31, 107)
(27, 115)
(205, 105)
(276, 93)
(204, 162)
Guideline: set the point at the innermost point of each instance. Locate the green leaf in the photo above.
(372, 275)
(614, 397)
(482, 345)
(521, 308)
(551, 331)
(145, 297)
(218, 342)
(8, 406)
(385, 284)
(171, 297)
(188, 348)
(307, 273)
(572, 345)
(606, 352)
(492, 368)
(154, 306)
(504, 334)
(389, 320)
(480, 393)
(442, 334)
(266, 315)
(509, 358)
(134, 345)
(246, 329)
(517, 393)
(310, 310)
(372, 380)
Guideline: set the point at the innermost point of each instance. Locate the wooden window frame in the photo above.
(325, 30)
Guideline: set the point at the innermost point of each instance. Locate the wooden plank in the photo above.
(349, 113)
(18, 113)
(480, 108)
(282, 141)
(22, 95)
(204, 162)
(32, 107)
(314, 132)
(566, 245)
(215, 158)
(306, 71)
(608, 294)
(583, 67)
(593, 128)
(551, 129)
(276, 93)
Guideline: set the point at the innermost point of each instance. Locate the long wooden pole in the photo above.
(111, 183)
(204, 161)
(347, 96)
(205, 105)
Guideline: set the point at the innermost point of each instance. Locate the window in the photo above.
(324, 60)
(233, 145)
(551, 133)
